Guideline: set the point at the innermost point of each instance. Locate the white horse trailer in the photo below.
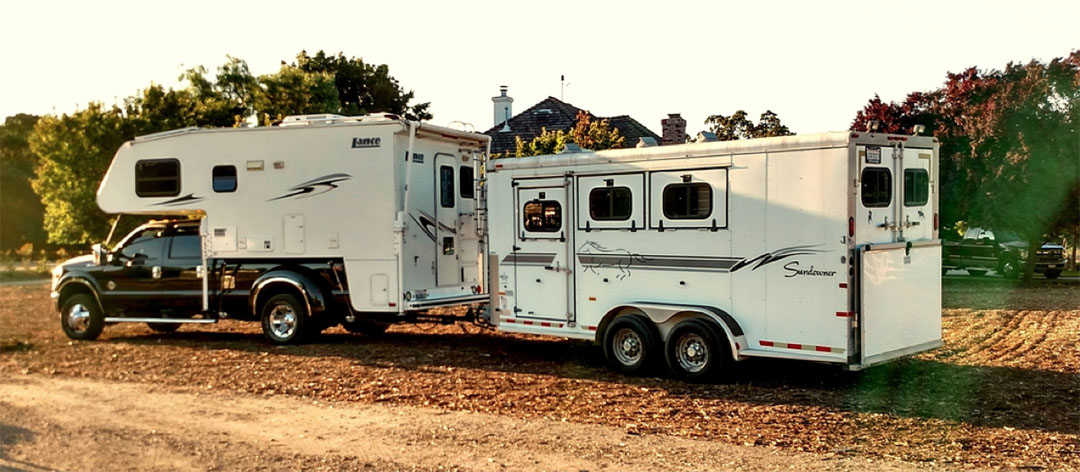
(818, 247)
(353, 216)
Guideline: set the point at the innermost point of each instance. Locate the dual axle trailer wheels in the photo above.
(693, 350)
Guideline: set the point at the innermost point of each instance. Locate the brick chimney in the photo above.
(674, 129)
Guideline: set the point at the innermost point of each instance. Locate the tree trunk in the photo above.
(1029, 264)
(1072, 260)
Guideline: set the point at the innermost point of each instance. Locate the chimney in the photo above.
(674, 129)
(502, 107)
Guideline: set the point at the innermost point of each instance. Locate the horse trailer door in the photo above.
(900, 298)
(542, 266)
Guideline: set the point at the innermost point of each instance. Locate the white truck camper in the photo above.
(353, 217)
(818, 247)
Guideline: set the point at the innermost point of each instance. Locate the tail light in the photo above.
(935, 221)
(851, 225)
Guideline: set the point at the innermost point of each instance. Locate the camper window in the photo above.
(157, 178)
(446, 186)
(610, 203)
(542, 216)
(876, 187)
(224, 178)
(465, 178)
(916, 187)
(688, 201)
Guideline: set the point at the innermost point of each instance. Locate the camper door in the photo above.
(541, 263)
(446, 222)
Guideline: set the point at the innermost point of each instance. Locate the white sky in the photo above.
(815, 64)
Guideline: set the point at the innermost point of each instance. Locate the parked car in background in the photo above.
(982, 250)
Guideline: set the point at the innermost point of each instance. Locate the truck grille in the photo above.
(1049, 254)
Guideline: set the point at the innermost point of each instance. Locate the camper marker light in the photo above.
(851, 225)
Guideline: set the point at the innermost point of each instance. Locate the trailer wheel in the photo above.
(283, 319)
(81, 318)
(694, 352)
(164, 327)
(977, 272)
(365, 327)
(630, 345)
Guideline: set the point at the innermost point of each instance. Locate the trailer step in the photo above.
(114, 319)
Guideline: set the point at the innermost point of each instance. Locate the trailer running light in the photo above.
(935, 221)
(851, 225)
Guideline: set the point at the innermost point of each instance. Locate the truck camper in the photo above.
(319, 221)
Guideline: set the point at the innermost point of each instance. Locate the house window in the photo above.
(224, 178)
(157, 178)
(691, 201)
(876, 187)
(916, 187)
(610, 203)
(465, 178)
(542, 216)
(446, 186)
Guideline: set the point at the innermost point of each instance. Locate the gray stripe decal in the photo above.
(657, 262)
(524, 258)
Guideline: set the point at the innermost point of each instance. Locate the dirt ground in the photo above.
(1002, 393)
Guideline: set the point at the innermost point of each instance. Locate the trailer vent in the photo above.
(706, 137)
(571, 148)
(646, 141)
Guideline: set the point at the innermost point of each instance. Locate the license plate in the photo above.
(1052, 266)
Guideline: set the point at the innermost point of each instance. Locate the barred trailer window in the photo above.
(542, 216)
(692, 201)
(610, 203)
(876, 187)
(916, 187)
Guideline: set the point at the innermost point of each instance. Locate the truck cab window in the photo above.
(187, 246)
(157, 178)
(446, 186)
(610, 203)
(224, 179)
(542, 216)
(149, 248)
(876, 187)
(916, 187)
(692, 201)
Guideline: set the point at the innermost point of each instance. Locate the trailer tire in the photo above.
(631, 345)
(365, 327)
(164, 327)
(694, 352)
(284, 319)
(977, 272)
(81, 318)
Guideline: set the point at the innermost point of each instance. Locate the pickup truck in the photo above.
(982, 250)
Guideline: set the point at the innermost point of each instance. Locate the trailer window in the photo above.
(446, 186)
(688, 201)
(542, 216)
(610, 203)
(876, 187)
(224, 179)
(465, 177)
(916, 187)
(157, 178)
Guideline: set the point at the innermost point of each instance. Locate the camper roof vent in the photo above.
(379, 117)
(167, 133)
(293, 120)
(706, 137)
(571, 148)
(646, 141)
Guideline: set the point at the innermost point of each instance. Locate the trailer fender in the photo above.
(295, 281)
(666, 316)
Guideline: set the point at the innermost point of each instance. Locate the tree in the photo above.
(293, 91)
(548, 142)
(21, 215)
(595, 135)
(363, 88)
(738, 126)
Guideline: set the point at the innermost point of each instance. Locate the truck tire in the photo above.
(694, 352)
(164, 327)
(1051, 273)
(283, 319)
(630, 345)
(365, 327)
(977, 272)
(1009, 268)
(81, 318)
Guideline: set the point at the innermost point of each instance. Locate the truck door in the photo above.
(180, 279)
(542, 271)
(876, 203)
(448, 270)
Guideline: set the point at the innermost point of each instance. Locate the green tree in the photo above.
(21, 214)
(364, 88)
(294, 91)
(548, 142)
(739, 126)
(595, 135)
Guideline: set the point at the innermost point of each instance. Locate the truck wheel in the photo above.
(630, 345)
(164, 327)
(81, 318)
(365, 327)
(694, 352)
(283, 319)
(1052, 273)
(977, 272)
(1009, 268)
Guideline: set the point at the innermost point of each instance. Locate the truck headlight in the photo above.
(1023, 253)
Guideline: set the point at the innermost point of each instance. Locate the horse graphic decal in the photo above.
(593, 256)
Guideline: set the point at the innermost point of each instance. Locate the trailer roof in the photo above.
(835, 139)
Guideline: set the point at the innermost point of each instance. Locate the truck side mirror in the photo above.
(136, 260)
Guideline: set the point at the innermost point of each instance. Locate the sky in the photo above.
(813, 63)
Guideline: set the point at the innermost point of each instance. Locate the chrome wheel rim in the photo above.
(78, 318)
(628, 346)
(692, 352)
(283, 321)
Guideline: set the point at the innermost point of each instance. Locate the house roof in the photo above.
(554, 114)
